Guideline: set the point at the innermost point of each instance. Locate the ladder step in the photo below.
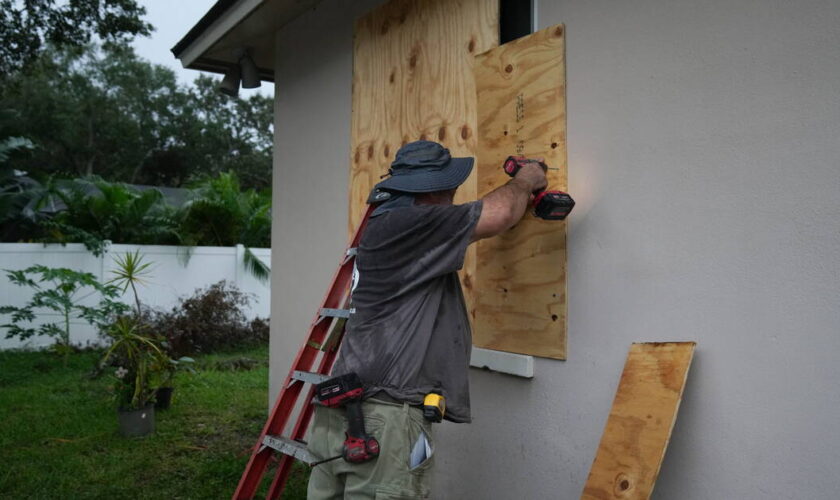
(289, 447)
(309, 377)
(335, 313)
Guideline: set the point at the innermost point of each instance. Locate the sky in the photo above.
(172, 20)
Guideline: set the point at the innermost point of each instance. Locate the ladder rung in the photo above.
(335, 313)
(309, 377)
(289, 447)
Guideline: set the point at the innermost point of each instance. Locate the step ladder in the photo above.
(319, 351)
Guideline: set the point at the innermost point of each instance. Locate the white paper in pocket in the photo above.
(421, 451)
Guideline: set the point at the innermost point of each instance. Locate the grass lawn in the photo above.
(59, 439)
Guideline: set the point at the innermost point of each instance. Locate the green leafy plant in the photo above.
(139, 362)
(130, 272)
(172, 366)
(59, 290)
(220, 213)
(99, 211)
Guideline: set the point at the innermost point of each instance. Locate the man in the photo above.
(409, 334)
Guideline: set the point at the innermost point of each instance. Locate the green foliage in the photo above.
(10, 144)
(97, 211)
(58, 290)
(130, 272)
(168, 371)
(220, 213)
(104, 111)
(27, 26)
(139, 361)
(13, 190)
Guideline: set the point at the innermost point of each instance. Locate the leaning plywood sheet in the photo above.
(520, 278)
(640, 422)
(413, 79)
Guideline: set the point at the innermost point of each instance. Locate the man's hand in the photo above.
(534, 175)
(503, 207)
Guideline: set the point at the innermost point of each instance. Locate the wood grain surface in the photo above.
(640, 422)
(520, 279)
(413, 79)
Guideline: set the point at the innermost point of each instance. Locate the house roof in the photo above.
(216, 11)
(231, 25)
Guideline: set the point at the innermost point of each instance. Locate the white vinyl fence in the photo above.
(171, 276)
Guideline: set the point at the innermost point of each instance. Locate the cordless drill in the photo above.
(346, 391)
(548, 205)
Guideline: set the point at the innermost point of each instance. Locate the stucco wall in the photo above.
(704, 154)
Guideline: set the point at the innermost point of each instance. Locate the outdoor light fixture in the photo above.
(250, 73)
(244, 71)
(230, 83)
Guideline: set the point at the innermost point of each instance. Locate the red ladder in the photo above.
(324, 338)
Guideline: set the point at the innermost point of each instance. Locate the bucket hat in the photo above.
(425, 167)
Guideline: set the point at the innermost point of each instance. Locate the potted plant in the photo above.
(137, 358)
(163, 394)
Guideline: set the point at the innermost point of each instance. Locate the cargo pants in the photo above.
(397, 427)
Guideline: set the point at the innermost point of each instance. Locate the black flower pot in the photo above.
(137, 423)
(163, 397)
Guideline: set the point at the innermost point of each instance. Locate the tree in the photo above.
(27, 27)
(109, 113)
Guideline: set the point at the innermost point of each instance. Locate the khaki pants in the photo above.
(397, 427)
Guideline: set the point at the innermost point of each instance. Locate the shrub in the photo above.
(60, 291)
(210, 320)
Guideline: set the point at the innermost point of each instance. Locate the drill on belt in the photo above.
(346, 390)
(548, 205)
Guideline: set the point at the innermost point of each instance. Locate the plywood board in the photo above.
(640, 422)
(413, 79)
(520, 279)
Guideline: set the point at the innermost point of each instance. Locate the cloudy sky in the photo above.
(172, 19)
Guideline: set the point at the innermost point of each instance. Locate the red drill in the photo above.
(548, 205)
(346, 391)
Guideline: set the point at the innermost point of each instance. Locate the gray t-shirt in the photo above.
(409, 334)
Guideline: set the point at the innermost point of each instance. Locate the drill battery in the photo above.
(553, 205)
(339, 390)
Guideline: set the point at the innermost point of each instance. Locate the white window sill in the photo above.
(520, 365)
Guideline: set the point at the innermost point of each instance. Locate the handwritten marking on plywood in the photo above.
(520, 278)
(412, 80)
(640, 422)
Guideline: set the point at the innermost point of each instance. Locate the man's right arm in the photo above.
(503, 207)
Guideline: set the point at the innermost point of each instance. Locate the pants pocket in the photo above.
(417, 427)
